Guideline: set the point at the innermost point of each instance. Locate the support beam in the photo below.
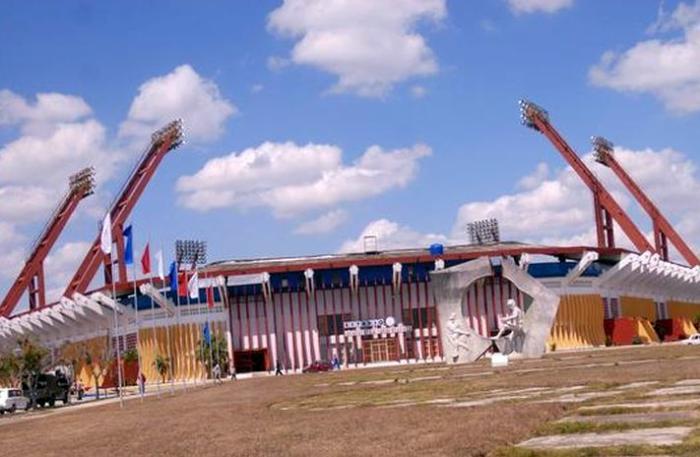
(31, 277)
(606, 208)
(663, 230)
(162, 142)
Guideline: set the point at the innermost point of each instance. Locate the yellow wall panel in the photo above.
(683, 309)
(638, 307)
(579, 322)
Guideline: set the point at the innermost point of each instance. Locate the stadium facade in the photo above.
(364, 309)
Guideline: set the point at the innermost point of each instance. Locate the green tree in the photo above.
(162, 365)
(99, 362)
(33, 360)
(10, 370)
(219, 352)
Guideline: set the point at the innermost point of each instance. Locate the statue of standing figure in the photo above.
(513, 321)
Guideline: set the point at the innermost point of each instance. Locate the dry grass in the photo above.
(245, 417)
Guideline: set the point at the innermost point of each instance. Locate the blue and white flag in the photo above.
(129, 247)
(206, 333)
(172, 275)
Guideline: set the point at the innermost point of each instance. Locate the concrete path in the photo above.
(637, 418)
(680, 390)
(640, 405)
(667, 436)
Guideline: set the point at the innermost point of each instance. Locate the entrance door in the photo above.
(248, 361)
(380, 350)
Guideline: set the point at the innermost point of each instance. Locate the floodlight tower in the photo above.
(607, 210)
(191, 252)
(162, 142)
(31, 277)
(663, 230)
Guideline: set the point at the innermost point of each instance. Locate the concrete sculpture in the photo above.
(528, 330)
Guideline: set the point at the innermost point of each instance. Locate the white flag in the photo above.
(159, 259)
(106, 236)
(193, 286)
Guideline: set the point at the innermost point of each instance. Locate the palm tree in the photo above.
(162, 365)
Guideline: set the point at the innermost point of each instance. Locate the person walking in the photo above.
(216, 371)
(142, 383)
(278, 368)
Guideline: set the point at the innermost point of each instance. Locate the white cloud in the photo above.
(369, 45)
(535, 178)
(55, 140)
(184, 94)
(556, 208)
(292, 179)
(325, 223)
(391, 235)
(38, 118)
(668, 69)
(49, 160)
(23, 204)
(538, 6)
(255, 88)
(11, 242)
(418, 91)
(60, 266)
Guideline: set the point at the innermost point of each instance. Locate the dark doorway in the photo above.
(249, 361)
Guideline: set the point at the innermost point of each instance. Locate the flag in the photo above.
(172, 275)
(193, 286)
(182, 284)
(129, 247)
(210, 296)
(159, 261)
(106, 235)
(206, 333)
(146, 260)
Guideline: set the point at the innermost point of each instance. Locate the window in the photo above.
(332, 324)
(418, 316)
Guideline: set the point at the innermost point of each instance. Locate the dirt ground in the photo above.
(352, 412)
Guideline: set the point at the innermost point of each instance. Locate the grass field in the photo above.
(434, 409)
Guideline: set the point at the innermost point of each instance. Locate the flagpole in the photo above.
(189, 334)
(116, 334)
(156, 346)
(171, 360)
(211, 340)
(106, 244)
(179, 330)
(138, 333)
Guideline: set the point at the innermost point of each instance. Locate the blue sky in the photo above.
(456, 95)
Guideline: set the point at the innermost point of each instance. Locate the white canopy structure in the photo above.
(646, 275)
(66, 321)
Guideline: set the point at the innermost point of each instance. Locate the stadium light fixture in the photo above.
(193, 252)
(602, 149)
(484, 231)
(83, 182)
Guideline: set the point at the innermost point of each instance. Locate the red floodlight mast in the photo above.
(31, 277)
(663, 230)
(606, 208)
(162, 142)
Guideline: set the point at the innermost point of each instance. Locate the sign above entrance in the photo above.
(369, 323)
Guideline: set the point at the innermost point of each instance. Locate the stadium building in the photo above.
(374, 307)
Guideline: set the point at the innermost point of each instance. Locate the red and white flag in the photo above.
(146, 260)
(210, 296)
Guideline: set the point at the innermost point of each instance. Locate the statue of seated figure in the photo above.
(513, 322)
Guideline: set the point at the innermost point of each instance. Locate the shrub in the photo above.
(130, 355)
